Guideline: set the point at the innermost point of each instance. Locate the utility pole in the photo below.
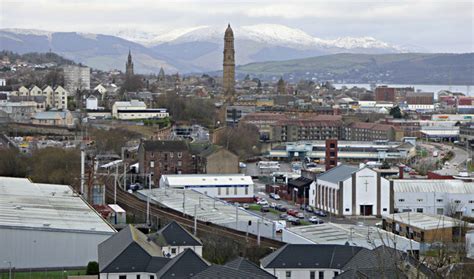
(195, 219)
(258, 232)
(124, 170)
(115, 183)
(184, 202)
(83, 161)
(236, 217)
(148, 200)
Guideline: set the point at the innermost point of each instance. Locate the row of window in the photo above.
(437, 200)
(312, 274)
(227, 191)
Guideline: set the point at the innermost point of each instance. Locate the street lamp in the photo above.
(9, 269)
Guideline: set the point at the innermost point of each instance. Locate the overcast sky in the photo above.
(445, 26)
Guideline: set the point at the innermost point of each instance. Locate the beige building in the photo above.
(217, 160)
(54, 118)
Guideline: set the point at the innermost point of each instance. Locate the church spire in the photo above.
(129, 65)
(229, 62)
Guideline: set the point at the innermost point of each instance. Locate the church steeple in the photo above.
(129, 65)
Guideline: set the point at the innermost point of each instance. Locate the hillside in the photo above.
(37, 58)
(409, 68)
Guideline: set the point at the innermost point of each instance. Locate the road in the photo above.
(460, 155)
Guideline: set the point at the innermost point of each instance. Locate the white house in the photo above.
(433, 196)
(136, 110)
(92, 103)
(348, 190)
(226, 186)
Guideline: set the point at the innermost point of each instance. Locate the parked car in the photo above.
(309, 208)
(283, 216)
(273, 205)
(242, 165)
(275, 196)
(281, 208)
(300, 215)
(320, 213)
(294, 221)
(315, 220)
(292, 212)
(246, 206)
(262, 202)
(265, 208)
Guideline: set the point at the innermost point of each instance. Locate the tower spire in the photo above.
(229, 63)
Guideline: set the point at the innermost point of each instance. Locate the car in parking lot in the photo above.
(273, 205)
(265, 208)
(283, 216)
(315, 220)
(293, 220)
(275, 196)
(292, 212)
(320, 213)
(300, 215)
(281, 208)
(262, 202)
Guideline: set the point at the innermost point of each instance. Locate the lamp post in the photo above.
(9, 269)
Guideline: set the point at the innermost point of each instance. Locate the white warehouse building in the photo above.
(434, 196)
(47, 226)
(235, 187)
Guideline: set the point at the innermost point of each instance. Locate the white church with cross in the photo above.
(348, 190)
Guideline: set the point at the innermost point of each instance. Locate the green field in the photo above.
(42, 274)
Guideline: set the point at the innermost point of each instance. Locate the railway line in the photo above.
(131, 201)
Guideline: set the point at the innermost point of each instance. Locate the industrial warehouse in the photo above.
(47, 226)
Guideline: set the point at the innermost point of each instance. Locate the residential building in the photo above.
(173, 239)
(320, 127)
(54, 118)
(76, 78)
(54, 98)
(420, 101)
(19, 111)
(235, 113)
(348, 190)
(40, 224)
(363, 131)
(165, 157)
(233, 187)
(217, 160)
(92, 103)
(131, 254)
(385, 94)
(237, 268)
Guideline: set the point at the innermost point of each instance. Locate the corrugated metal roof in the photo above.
(206, 179)
(424, 221)
(339, 173)
(433, 186)
(46, 207)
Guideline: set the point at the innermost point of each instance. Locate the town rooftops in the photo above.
(424, 221)
(244, 269)
(174, 234)
(36, 206)
(184, 265)
(336, 174)
(165, 145)
(243, 264)
(317, 256)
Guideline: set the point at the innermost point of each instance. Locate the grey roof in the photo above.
(339, 173)
(245, 265)
(165, 145)
(48, 115)
(184, 265)
(129, 250)
(310, 256)
(174, 234)
(372, 273)
(220, 271)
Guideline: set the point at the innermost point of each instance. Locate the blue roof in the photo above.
(339, 173)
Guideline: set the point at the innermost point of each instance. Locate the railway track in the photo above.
(131, 201)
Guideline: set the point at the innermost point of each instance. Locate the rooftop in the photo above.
(28, 205)
(453, 186)
(339, 173)
(424, 221)
(206, 179)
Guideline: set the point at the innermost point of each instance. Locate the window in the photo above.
(246, 190)
(347, 209)
(457, 201)
(419, 210)
(219, 191)
(401, 200)
(419, 200)
(321, 275)
(336, 273)
(173, 250)
(122, 276)
(152, 164)
(180, 163)
(235, 190)
(471, 201)
(439, 211)
(439, 200)
(384, 209)
(138, 276)
(227, 191)
(312, 275)
(180, 154)
(171, 154)
(288, 274)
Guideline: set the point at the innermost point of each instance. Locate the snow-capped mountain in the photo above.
(195, 49)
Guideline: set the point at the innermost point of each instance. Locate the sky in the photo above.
(432, 25)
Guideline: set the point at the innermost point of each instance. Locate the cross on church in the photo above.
(366, 185)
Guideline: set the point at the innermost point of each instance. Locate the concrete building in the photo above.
(19, 111)
(362, 131)
(54, 118)
(347, 190)
(76, 78)
(47, 226)
(420, 101)
(444, 197)
(217, 160)
(135, 109)
(233, 187)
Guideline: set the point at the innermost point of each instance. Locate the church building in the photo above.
(129, 65)
(228, 80)
(347, 190)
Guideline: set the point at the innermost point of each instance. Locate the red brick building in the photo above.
(385, 94)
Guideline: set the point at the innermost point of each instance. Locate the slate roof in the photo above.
(245, 265)
(113, 251)
(300, 182)
(174, 234)
(165, 145)
(324, 256)
(184, 265)
(221, 271)
(339, 173)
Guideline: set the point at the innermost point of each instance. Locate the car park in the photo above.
(262, 202)
(284, 216)
(280, 208)
(275, 196)
(265, 208)
(300, 215)
(292, 212)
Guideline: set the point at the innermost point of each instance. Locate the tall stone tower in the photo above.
(129, 65)
(228, 81)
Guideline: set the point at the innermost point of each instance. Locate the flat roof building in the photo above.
(47, 226)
